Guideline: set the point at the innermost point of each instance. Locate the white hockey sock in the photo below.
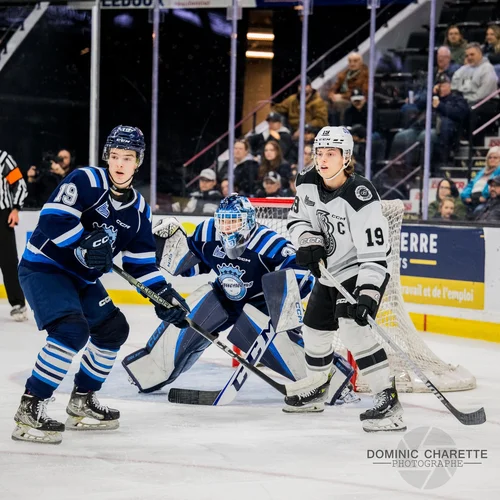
(318, 347)
(370, 356)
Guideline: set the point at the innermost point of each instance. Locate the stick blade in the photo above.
(477, 417)
(192, 396)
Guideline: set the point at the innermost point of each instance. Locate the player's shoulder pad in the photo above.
(142, 207)
(309, 176)
(360, 193)
(205, 231)
(97, 177)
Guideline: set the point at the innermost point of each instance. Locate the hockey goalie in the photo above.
(256, 296)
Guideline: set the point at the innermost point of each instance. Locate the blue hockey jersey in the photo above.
(81, 204)
(240, 280)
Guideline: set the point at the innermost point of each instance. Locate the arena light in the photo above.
(264, 37)
(259, 54)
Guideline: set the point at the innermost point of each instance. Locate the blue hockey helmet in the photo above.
(235, 221)
(125, 137)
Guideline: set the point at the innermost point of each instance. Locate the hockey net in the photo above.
(392, 315)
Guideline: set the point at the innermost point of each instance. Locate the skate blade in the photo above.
(393, 424)
(19, 318)
(90, 424)
(29, 434)
(314, 408)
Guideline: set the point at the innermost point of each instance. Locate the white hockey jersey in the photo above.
(350, 218)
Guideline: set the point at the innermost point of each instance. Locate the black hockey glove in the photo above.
(175, 315)
(366, 305)
(311, 251)
(95, 250)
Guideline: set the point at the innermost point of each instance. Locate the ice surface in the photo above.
(248, 450)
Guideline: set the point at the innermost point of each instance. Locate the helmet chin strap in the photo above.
(116, 185)
(336, 175)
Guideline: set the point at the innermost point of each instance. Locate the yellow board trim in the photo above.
(424, 262)
(456, 327)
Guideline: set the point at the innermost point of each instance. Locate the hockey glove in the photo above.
(175, 315)
(96, 252)
(366, 305)
(311, 251)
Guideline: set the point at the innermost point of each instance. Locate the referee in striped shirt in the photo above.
(13, 191)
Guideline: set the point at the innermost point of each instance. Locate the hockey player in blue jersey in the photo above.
(92, 216)
(240, 252)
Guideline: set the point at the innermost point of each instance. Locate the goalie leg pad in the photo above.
(284, 355)
(171, 351)
(343, 372)
(282, 294)
(370, 356)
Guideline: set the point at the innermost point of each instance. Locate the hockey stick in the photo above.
(212, 338)
(240, 375)
(475, 418)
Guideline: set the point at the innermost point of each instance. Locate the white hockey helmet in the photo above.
(335, 137)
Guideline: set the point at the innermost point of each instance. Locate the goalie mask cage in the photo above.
(392, 314)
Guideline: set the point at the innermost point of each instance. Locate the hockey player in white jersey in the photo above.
(337, 218)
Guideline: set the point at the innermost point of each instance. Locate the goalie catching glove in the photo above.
(367, 301)
(311, 252)
(176, 315)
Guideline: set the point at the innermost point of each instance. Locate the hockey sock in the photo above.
(95, 366)
(51, 366)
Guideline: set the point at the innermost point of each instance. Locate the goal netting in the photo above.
(392, 315)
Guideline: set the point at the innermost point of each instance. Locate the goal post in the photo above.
(392, 315)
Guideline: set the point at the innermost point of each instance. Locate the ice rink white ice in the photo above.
(248, 450)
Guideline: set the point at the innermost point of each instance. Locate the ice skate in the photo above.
(33, 424)
(347, 396)
(386, 415)
(86, 413)
(19, 314)
(309, 394)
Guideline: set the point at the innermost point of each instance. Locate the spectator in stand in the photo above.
(456, 42)
(444, 64)
(354, 76)
(207, 199)
(491, 48)
(476, 192)
(446, 210)
(447, 189)
(273, 162)
(357, 112)
(316, 109)
(450, 110)
(245, 169)
(277, 132)
(224, 188)
(491, 209)
(272, 185)
(477, 79)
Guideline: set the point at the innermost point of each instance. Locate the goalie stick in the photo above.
(213, 339)
(474, 418)
(240, 375)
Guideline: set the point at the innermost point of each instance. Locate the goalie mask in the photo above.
(235, 222)
(334, 137)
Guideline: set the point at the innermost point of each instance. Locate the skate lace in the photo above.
(41, 409)
(380, 400)
(97, 405)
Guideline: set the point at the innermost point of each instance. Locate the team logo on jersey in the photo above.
(230, 278)
(103, 210)
(363, 193)
(327, 229)
(219, 253)
(287, 251)
(308, 201)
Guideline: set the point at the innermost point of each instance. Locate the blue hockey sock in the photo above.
(51, 366)
(95, 366)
